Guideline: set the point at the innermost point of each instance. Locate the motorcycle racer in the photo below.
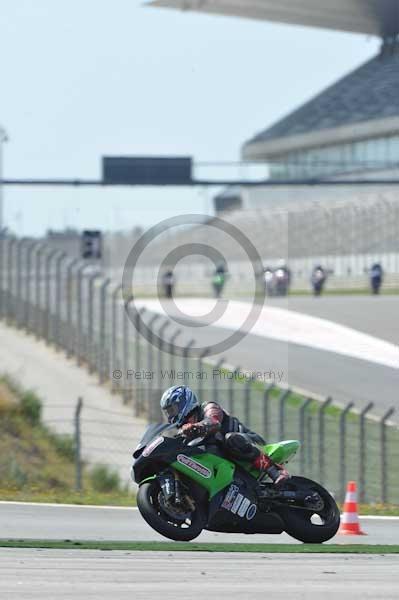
(182, 408)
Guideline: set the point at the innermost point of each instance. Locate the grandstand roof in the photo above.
(363, 104)
(377, 17)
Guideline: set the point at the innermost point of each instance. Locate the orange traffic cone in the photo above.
(350, 519)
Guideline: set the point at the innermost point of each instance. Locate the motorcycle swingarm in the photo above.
(301, 499)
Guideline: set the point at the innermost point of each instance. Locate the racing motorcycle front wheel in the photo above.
(180, 522)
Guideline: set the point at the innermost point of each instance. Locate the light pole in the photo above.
(3, 139)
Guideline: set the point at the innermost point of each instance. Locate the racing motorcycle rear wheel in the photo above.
(177, 523)
(306, 525)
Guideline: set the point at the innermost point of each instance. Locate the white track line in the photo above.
(292, 327)
(55, 504)
(10, 502)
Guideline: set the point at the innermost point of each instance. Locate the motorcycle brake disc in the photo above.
(177, 513)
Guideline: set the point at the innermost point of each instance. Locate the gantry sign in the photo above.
(175, 171)
(376, 17)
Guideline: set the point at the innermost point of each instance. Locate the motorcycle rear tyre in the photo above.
(299, 528)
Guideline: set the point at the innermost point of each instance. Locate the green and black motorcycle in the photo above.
(185, 487)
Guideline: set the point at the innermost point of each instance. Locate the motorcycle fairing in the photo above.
(282, 452)
(152, 431)
(211, 471)
(235, 509)
(221, 470)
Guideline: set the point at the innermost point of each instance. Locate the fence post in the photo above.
(158, 388)
(215, 387)
(186, 353)
(230, 406)
(79, 316)
(161, 332)
(47, 309)
(342, 450)
(322, 412)
(57, 312)
(247, 402)
(266, 411)
(70, 327)
(150, 356)
(3, 281)
(18, 295)
(384, 470)
(126, 392)
(281, 410)
(362, 452)
(102, 367)
(10, 302)
(91, 360)
(137, 350)
(38, 291)
(2, 272)
(30, 250)
(172, 340)
(200, 364)
(302, 436)
(309, 446)
(23, 244)
(78, 446)
(114, 332)
(20, 307)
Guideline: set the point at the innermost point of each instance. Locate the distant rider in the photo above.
(376, 277)
(318, 279)
(219, 279)
(168, 282)
(182, 408)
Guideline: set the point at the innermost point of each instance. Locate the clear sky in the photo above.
(86, 78)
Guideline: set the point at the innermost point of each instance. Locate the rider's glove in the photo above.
(193, 430)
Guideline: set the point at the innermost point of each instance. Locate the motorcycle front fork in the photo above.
(172, 488)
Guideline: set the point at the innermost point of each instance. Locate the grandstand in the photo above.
(375, 17)
(346, 237)
(350, 130)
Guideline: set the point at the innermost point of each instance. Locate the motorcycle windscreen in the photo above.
(150, 434)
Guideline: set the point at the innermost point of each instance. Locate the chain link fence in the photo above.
(69, 304)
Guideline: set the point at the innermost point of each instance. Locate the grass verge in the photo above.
(379, 510)
(346, 292)
(38, 464)
(90, 497)
(195, 547)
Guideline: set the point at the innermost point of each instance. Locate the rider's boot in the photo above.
(277, 473)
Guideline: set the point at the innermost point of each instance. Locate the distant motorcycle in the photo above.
(218, 283)
(376, 277)
(318, 280)
(281, 281)
(168, 282)
(268, 277)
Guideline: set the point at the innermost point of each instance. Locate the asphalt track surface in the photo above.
(40, 574)
(123, 575)
(375, 315)
(35, 521)
(325, 373)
